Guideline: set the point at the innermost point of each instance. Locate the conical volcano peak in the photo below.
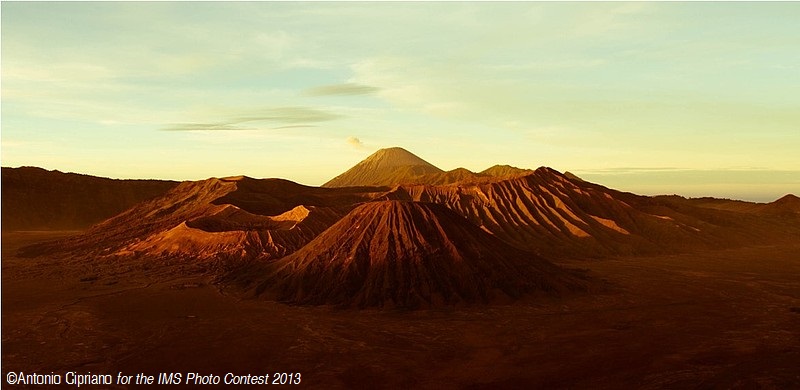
(396, 156)
(385, 167)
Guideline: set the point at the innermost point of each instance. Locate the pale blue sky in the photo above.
(618, 93)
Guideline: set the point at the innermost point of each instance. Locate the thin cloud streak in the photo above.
(293, 117)
(204, 127)
(288, 115)
(346, 89)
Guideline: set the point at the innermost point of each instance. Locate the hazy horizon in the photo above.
(695, 99)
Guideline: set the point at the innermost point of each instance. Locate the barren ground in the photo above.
(725, 319)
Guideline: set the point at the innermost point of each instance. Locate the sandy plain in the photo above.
(717, 319)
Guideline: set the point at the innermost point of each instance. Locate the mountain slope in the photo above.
(406, 254)
(37, 199)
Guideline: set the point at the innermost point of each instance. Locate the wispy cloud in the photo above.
(205, 127)
(287, 115)
(290, 117)
(293, 127)
(346, 89)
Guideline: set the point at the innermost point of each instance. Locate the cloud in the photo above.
(355, 142)
(205, 127)
(291, 115)
(293, 127)
(346, 89)
(288, 117)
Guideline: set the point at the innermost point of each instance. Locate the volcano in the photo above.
(385, 167)
(407, 254)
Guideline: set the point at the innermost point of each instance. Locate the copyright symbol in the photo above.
(11, 378)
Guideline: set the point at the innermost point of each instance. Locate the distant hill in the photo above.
(458, 175)
(38, 199)
(505, 171)
(786, 205)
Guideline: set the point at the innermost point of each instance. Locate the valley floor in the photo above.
(724, 319)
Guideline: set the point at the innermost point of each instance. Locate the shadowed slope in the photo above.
(407, 254)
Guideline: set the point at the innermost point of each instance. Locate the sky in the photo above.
(696, 99)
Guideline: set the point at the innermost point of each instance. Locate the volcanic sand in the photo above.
(716, 319)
